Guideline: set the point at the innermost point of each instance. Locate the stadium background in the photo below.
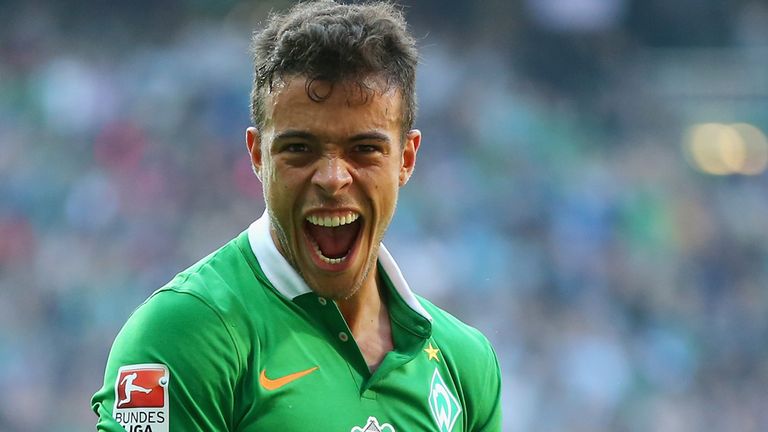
(590, 193)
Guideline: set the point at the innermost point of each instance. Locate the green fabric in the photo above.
(219, 324)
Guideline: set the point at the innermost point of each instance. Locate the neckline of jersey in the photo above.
(287, 281)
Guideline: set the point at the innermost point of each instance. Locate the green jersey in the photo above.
(239, 342)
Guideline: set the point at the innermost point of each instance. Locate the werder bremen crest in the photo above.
(443, 404)
(374, 426)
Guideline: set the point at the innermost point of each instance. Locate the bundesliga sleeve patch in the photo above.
(141, 398)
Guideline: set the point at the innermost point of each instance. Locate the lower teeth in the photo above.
(325, 258)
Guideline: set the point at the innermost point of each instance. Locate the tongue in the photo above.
(334, 242)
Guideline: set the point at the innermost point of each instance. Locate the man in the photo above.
(304, 321)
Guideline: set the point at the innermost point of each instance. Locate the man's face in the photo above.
(331, 172)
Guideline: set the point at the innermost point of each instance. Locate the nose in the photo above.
(332, 175)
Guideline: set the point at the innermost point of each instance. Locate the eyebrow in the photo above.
(294, 133)
(373, 135)
(364, 136)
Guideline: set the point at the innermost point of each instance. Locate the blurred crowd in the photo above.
(552, 207)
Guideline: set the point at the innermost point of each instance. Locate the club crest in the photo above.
(443, 404)
(373, 426)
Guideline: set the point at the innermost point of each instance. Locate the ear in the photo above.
(408, 158)
(253, 142)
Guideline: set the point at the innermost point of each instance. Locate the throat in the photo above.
(374, 351)
(367, 316)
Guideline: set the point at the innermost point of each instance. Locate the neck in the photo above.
(364, 305)
(367, 316)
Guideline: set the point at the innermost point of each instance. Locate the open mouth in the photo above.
(333, 238)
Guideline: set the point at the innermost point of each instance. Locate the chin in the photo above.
(341, 288)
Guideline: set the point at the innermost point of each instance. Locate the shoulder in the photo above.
(222, 277)
(213, 297)
(454, 335)
(228, 281)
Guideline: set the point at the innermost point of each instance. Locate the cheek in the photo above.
(386, 198)
(280, 183)
(382, 185)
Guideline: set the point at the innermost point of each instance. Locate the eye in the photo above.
(366, 148)
(296, 148)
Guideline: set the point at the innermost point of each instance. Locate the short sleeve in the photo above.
(180, 333)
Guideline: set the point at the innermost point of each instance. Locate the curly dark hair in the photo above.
(324, 40)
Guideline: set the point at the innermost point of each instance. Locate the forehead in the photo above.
(335, 108)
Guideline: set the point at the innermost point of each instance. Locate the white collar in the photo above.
(290, 284)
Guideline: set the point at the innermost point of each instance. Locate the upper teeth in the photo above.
(333, 221)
